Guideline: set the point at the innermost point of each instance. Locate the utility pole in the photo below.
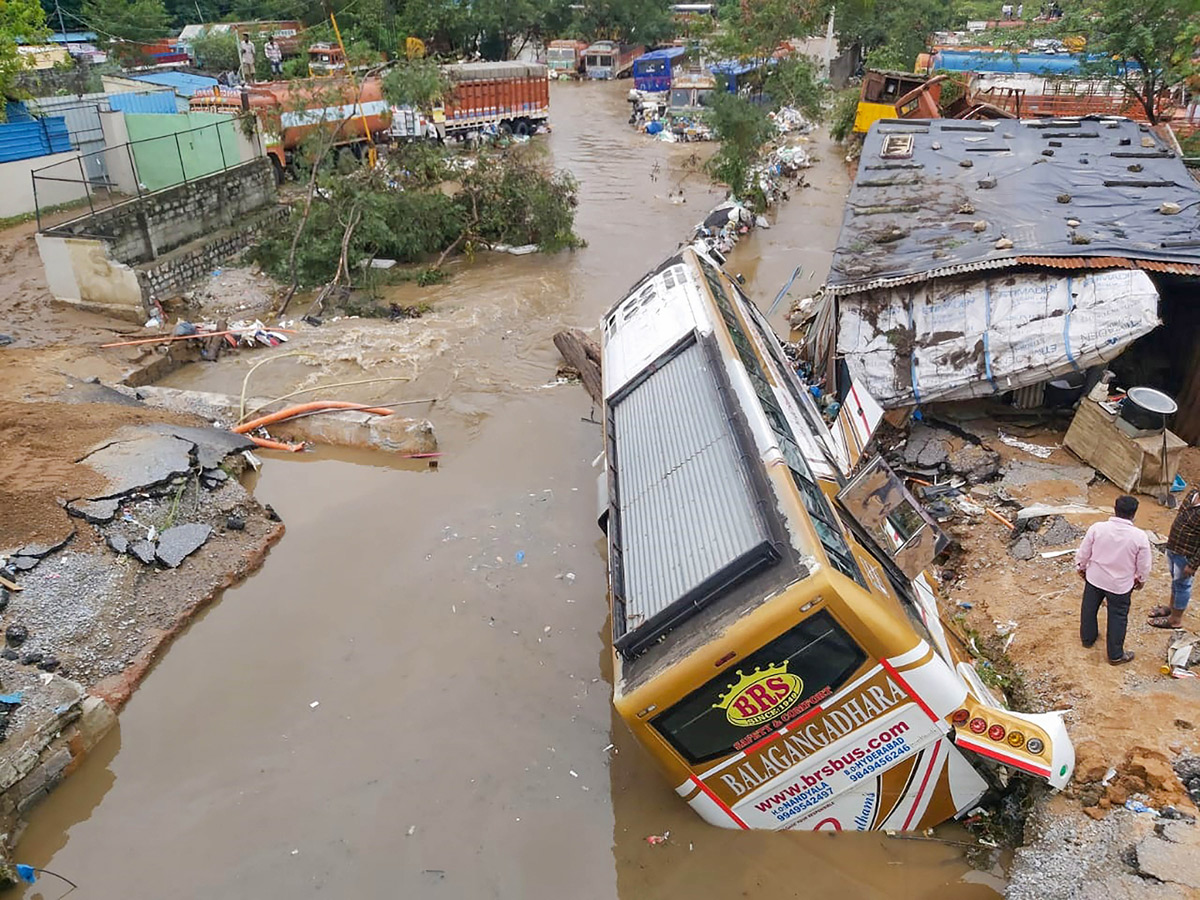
(829, 42)
(62, 29)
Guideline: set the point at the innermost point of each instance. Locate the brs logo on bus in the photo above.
(759, 697)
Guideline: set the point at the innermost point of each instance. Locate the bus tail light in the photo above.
(649, 709)
(959, 718)
(1035, 745)
(1015, 739)
(997, 732)
(978, 725)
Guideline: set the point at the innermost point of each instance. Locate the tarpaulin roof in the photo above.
(662, 53)
(942, 197)
(1007, 61)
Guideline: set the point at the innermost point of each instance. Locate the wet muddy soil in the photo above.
(410, 698)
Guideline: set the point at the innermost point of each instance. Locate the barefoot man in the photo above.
(1183, 557)
(1113, 561)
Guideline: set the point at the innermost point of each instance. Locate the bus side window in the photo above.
(820, 510)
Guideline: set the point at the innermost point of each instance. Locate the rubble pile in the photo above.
(166, 489)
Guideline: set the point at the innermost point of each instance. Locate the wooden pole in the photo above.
(583, 355)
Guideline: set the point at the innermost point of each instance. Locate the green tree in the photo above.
(415, 82)
(1149, 46)
(903, 26)
(742, 128)
(19, 20)
(793, 82)
(633, 21)
(216, 51)
(134, 21)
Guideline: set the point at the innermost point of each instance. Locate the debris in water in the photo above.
(314, 704)
(520, 557)
(654, 839)
(412, 829)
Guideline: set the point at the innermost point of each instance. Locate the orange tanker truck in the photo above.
(506, 97)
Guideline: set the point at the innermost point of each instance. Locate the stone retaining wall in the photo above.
(169, 276)
(112, 261)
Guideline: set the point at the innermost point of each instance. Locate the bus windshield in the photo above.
(777, 684)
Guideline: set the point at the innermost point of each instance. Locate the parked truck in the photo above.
(565, 58)
(505, 97)
(605, 60)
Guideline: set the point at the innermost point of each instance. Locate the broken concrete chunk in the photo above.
(1170, 208)
(118, 542)
(212, 444)
(24, 563)
(1022, 549)
(142, 461)
(39, 551)
(1004, 244)
(143, 550)
(1175, 862)
(95, 512)
(175, 544)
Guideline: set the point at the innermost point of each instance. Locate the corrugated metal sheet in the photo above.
(1076, 262)
(688, 517)
(37, 137)
(183, 83)
(83, 123)
(151, 102)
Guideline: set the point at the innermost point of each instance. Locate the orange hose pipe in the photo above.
(275, 445)
(300, 409)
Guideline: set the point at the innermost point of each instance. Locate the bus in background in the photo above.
(605, 60)
(564, 58)
(653, 71)
(777, 644)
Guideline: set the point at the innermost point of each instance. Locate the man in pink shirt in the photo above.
(1113, 561)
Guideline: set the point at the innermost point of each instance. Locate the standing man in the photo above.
(1183, 558)
(274, 56)
(1113, 561)
(246, 52)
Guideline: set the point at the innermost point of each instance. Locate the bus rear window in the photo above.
(785, 680)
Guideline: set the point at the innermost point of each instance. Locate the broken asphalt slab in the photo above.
(40, 551)
(94, 512)
(176, 544)
(138, 460)
(1173, 857)
(212, 444)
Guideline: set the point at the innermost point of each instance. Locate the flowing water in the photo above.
(411, 698)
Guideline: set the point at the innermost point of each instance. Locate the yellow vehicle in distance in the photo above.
(777, 646)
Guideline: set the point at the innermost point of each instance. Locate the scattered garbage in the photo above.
(1138, 806)
(655, 839)
(1041, 452)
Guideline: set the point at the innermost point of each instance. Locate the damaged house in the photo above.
(988, 258)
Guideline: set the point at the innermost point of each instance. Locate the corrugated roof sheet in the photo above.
(184, 83)
(944, 197)
(688, 518)
(36, 137)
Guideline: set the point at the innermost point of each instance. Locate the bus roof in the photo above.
(694, 523)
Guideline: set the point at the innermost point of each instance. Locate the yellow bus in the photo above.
(777, 645)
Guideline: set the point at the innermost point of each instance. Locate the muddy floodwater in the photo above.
(411, 698)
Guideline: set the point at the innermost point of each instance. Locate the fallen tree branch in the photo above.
(583, 355)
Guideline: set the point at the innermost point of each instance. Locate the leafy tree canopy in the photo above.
(19, 20)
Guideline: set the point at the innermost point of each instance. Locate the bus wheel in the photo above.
(278, 169)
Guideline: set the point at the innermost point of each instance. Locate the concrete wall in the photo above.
(16, 183)
(124, 257)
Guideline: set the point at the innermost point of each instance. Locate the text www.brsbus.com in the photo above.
(876, 753)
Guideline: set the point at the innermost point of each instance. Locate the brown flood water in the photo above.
(461, 695)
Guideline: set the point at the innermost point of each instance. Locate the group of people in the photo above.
(1114, 561)
(247, 55)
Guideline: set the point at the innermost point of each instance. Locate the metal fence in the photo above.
(123, 180)
(82, 114)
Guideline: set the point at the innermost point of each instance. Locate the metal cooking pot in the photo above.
(1147, 409)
